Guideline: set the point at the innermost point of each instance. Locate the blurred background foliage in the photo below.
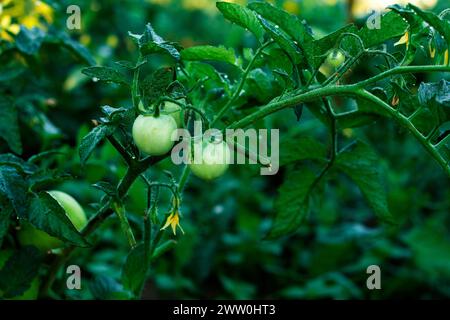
(223, 253)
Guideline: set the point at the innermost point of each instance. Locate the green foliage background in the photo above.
(224, 253)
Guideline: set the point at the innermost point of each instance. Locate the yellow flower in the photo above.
(174, 221)
(446, 58)
(403, 40)
(6, 27)
(30, 13)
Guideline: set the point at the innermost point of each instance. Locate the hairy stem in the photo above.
(240, 85)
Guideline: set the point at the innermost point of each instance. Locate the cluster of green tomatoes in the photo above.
(153, 135)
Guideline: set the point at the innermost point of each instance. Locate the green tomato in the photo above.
(29, 235)
(335, 58)
(212, 161)
(169, 108)
(152, 135)
(32, 292)
(174, 110)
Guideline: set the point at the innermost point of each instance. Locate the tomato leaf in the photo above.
(29, 41)
(135, 269)
(92, 139)
(19, 271)
(243, 17)
(106, 74)
(9, 130)
(293, 202)
(361, 164)
(13, 188)
(209, 53)
(150, 42)
(283, 40)
(46, 214)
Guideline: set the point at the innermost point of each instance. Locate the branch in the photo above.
(401, 70)
(241, 84)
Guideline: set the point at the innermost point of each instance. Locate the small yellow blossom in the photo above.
(7, 27)
(174, 221)
(446, 58)
(29, 13)
(403, 40)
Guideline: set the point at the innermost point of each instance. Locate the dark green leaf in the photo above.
(150, 42)
(92, 139)
(283, 40)
(19, 271)
(9, 130)
(105, 74)
(29, 40)
(391, 26)
(209, 53)
(106, 288)
(295, 28)
(155, 85)
(293, 202)
(46, 214)
(362, 165)
(5, 218)
(166, 246)
(243, 17)
(297, 148)
(14, 188)
(135, 269)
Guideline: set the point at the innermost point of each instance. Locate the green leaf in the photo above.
(78, 50)
(322, 45)
(431, 249)
(107, 74)
(29, 40)
(19, 271)
(392, 26)
(46, 214)
(11, 71)
(9, 130)
(441, 25)
(362, 165)
(166, 246)
(135, 269)
(209, 53)
(296, 29)
(297, 148)
(283, 40)
(293, 202)
(92, 139)
(106, 288)
(243, 17)
(5, 218)
(155, 85)
(150, 42)
(13, 188)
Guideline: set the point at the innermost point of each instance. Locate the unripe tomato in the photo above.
(213, 162)
(174, 110)
(335, 58)
(32, 292)
(29, 235)
(171, 109)
(153, 135)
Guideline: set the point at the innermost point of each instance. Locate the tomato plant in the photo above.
(99, 124)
